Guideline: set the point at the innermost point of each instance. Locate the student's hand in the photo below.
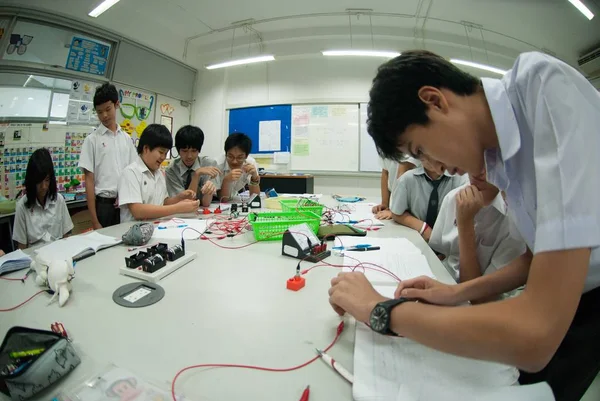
(428, 290)
(427, 234)
(384, 215)
(469, 201)
(187, 194)
(2, 252)
(209, 188)
(250, 169)
(379, 208)
(211, 171)
(235, 175)
(188, 206)
(352, 293)
(96, 226)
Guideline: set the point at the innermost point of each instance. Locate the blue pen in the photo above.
(165, 227)
(363, 246)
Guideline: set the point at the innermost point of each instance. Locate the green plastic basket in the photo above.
(301, 205)
(271, 226)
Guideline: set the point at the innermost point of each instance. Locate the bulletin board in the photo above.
(325, 138)
(63, 142)
(269, 127)
(137, 110)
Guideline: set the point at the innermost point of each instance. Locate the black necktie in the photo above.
(188, 178)
(434, 200)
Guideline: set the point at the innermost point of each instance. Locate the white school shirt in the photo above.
(176, 174)
(138, 184)
(495, 247)
(241, 182)
(392, 168)
(547, 118)
(412, 191)
(106, 154)
(38, 223)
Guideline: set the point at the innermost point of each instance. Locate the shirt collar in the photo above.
(503, 115)
(499, 204)
(183, 168)
(47, 205)
(102, 130)
(421, 171)
(141, 166)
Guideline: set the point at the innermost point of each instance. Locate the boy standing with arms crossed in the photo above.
(104, 155)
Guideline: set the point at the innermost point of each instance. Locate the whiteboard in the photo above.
(325, 137)
(369, 158)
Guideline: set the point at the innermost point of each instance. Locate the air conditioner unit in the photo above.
(590, 63)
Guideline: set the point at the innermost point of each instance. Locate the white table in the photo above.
(227, 306)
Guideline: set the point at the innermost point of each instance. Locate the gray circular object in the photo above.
(138, 295)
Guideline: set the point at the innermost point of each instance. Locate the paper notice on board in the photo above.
(301, 116)
(300, 148)
(281, 157)
(269, 135)
(320, 111)
(301, 132)
(338, 111)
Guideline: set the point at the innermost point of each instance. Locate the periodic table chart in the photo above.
(14, 158)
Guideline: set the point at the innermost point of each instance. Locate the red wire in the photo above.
(339, 331)
(22, 303)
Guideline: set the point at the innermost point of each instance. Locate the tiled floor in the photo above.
(593, 393)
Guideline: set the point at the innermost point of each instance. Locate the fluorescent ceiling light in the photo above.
(105, 5)
(582, 8)
(242, 61)
(364, 53)
(480, 66)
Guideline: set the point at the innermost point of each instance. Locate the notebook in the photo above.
(77, 247)
(11, 262)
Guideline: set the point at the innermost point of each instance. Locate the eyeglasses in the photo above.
(129, 110)
(240, 159)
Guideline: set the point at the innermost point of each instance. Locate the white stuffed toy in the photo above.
(57, 275)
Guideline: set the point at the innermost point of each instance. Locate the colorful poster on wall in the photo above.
(87, 56)
(81, 107)
(136, 110)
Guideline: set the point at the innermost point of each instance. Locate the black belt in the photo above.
(100, 199)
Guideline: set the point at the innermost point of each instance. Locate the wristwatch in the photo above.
(381, 315)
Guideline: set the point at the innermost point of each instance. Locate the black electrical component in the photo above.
(158, 249)
(175, 253)
(153, 263)
(244, 207)
(135, 261)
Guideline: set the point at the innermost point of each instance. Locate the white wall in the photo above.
(179, 113)
(295, 80)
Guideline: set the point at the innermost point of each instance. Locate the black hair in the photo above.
(238, 140)
(39, 167)
(394, 101)
(189, 136)
(106, 93)
(155, 136)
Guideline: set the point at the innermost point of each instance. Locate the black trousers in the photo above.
(108, 215)
(577, 361)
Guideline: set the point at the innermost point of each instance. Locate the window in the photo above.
(24, 102)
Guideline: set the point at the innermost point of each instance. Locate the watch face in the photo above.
(379, 319)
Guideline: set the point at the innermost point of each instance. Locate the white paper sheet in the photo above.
(281, 157)
(391, 368)
(360, 215)
(269, 135)
(173, 230)
(398, 255)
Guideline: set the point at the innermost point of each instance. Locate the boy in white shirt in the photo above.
(418, 194)
(189, 170)
(104, 155)
(391, 170)
(472, 232)
(535, 131)
(41, 215)
(142, 187)
(238, 168)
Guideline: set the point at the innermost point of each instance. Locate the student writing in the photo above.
(41, 215)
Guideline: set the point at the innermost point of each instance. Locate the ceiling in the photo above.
(501, 30)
